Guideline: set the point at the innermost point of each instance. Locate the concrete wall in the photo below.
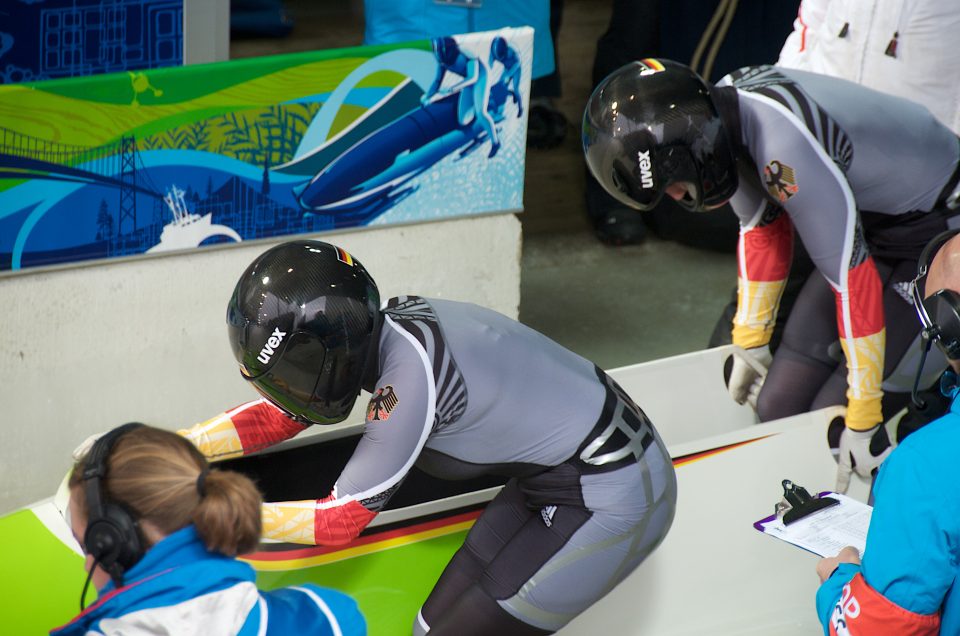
(87, 348)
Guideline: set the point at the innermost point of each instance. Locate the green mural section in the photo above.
(258, 135)
(127, 88)
(164, 108)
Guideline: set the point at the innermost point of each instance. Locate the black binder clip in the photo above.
(798, 503)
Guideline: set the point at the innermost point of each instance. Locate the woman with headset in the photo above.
(161, 531)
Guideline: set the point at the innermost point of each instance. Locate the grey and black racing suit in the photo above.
(464, 391)
(865, 180)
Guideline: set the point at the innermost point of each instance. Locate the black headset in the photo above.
(939, 313)
(112, 536)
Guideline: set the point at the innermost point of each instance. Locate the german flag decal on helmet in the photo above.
(343, 256)
(650, 66)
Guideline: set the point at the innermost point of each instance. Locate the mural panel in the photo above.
(180, 158)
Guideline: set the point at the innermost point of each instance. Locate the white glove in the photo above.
(747, 374)
(81, 451)
(856, 455)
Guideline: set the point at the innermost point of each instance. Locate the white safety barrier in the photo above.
(714, 573)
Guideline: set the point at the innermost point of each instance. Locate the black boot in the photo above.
(546, 126)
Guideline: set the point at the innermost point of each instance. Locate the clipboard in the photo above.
(823, 529)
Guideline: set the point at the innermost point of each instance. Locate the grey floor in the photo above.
(615, 306)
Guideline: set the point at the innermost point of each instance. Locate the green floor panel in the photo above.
(47, 577)
(390, 586)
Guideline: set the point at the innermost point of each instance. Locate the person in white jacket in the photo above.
(902, 47)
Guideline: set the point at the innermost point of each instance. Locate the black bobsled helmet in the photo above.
(302, 322)
(652, 123)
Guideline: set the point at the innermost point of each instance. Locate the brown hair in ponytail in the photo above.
(154, 474)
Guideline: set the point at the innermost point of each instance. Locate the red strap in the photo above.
(862, 611)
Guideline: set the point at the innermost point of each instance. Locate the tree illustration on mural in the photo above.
(265, 187)
(247, 135)
(104, 221)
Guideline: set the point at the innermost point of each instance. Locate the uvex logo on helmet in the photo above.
(646, 174)
(271, 347)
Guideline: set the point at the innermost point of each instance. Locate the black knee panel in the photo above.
(477, 614)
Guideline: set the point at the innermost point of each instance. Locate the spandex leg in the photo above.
(503, 517)
(570, 554)
(808, 354)
(475, 613)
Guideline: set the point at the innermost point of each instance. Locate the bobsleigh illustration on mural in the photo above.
(455, 119)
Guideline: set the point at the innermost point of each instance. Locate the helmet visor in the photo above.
(708, 184)
(637, 185)
(291, 381)
(625, 167)
(677, 162)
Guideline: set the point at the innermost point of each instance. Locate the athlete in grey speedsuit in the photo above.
(459, 391)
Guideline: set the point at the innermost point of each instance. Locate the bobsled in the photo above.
(729, 470)
(372, 172)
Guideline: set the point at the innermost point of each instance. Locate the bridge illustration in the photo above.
(116, 164)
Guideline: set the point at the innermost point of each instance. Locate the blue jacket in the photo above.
(912, 556)
(181, 588)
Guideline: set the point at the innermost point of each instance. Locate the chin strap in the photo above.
(371, 366)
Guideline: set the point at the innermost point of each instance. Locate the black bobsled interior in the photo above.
(309, 472)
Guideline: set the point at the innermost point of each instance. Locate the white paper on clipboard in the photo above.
(826, 531)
